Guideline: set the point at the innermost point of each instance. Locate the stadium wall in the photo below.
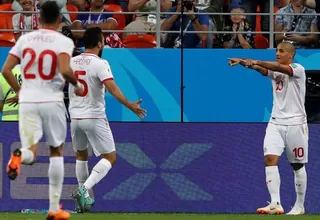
(214, 92)
(167, 167)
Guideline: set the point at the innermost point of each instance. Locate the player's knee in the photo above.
(82, 155)
(296, 166)
(111, 157)
(271, 160)
(56, 151)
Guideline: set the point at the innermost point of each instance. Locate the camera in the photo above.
(188, 4)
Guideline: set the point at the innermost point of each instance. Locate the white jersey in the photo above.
(38, 53)
(289, 96)
(91, 71)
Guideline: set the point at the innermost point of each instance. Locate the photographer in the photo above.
(190, 22)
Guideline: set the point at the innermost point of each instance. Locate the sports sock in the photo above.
(27, 156)
(56, 174)
(99, 171)
(273, 183)
(300, 180)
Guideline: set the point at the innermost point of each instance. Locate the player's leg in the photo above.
(80, 145)
(297, 153)
(273, 148)
(30, 130)
(55, 129)
(101, 140)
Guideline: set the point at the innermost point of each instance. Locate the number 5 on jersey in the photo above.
(79, 73)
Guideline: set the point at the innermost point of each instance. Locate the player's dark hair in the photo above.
(92, 37)
(49, 12)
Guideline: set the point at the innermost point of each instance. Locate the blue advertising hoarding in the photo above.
(167, 167)
(214, 92)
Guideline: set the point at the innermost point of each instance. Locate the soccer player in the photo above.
(88, 115)
(287, 129)
(44, 55)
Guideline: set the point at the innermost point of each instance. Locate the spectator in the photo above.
(25, 21)
(238, 23)
(10, 111)
(147, 21)
(61, 3)
(295, 24)
(190, 22)
(251, 7)
(216, 6)
(84, 21)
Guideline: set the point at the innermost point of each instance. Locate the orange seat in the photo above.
(140, 41)
(6, 18)
(121, 18)
(72, 8)
(261, 42)
(7, 40)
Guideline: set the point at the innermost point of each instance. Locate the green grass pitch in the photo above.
(131, 216)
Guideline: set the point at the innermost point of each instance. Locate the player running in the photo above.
(287, 129)
(45, 58)
(88, 115)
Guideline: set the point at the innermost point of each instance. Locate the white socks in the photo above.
(27, 156)
(300, 180)
(82, 171)
(56, 175)
(99, 171)
(273, 184)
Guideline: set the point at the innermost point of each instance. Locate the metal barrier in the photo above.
(271, 15)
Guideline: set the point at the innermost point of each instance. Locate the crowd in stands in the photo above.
(140, 28)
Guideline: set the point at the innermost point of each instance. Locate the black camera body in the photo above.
(188, 4)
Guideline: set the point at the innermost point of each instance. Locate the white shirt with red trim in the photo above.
(38, 54)
(289, 96)
(91, 71)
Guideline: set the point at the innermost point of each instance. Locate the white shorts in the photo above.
(95, 132)
(291, 138)
(38, 118)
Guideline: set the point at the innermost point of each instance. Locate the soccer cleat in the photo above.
(89, 202)
(296, 211)
(60, 215)
(13, 168)
(271, 209)
(79, 197)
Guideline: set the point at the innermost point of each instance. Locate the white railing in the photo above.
(159, 13)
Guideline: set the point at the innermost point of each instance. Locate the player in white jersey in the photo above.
(44, 56)
(287, 129)
(88, 115)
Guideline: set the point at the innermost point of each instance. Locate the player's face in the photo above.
(282, 55)
(26, 5)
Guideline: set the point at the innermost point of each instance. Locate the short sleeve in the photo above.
(68, 47)
(173, 9)
(270, 74)
(279, 18)
(314, 17)
(15, 22)
(16, 50)
(104, 71)
(297, 70)
(204, 20)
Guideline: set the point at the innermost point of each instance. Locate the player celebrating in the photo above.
(44, 55)
(287, 129)
(88, 115)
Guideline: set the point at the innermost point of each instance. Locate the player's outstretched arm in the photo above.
(116, 92)
(274, 66)
(10, 63)
(243, 62)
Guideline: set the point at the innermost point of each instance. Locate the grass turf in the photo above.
(151, 216)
